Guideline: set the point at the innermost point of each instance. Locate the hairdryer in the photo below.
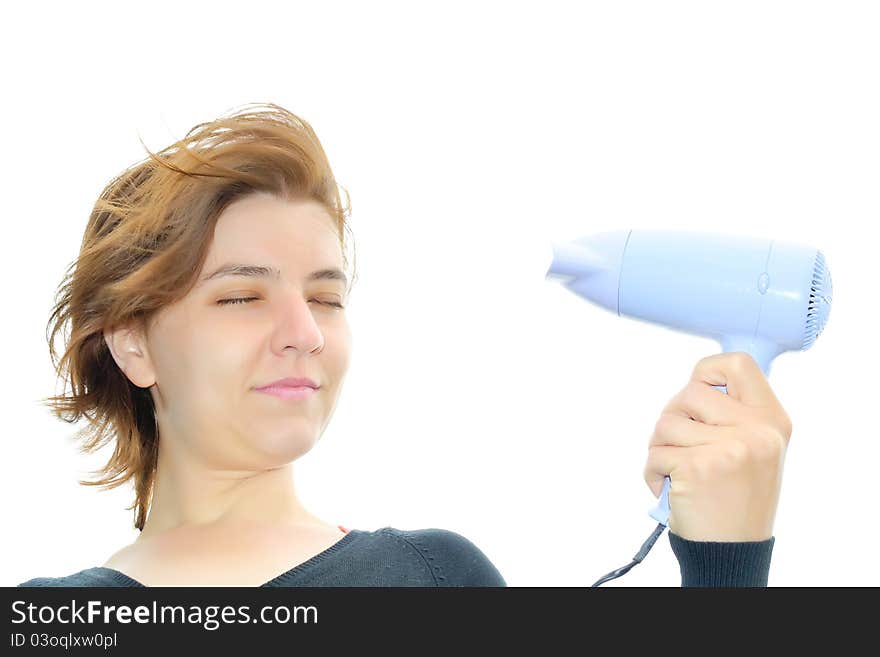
(760, 296)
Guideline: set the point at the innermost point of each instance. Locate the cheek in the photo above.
(206, 366)
(337, 350)
(174, 359)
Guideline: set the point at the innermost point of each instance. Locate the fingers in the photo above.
(740, 373)
(662, 461)
(676, 430)
(699, 400)
(747, 384)
(702, 429)
(694, 464)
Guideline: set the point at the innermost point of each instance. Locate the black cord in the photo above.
(646, 547)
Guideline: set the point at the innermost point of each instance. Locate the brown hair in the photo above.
(146, 240)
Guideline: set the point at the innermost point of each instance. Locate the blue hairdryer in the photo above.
(760, 296)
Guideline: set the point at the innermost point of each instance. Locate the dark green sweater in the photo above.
(439, 557)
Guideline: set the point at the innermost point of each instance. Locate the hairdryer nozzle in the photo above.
(591, 266)
(573, 260)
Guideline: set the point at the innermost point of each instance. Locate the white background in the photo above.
(482, 398)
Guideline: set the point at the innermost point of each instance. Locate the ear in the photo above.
(129, 349)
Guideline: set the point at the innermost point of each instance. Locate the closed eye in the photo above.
(238, 300)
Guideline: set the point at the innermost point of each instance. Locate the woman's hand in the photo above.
(723, 452)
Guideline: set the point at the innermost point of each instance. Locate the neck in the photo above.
(189, 495)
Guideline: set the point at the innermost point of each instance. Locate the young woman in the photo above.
(210, 343)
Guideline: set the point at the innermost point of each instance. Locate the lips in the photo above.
(291, 382)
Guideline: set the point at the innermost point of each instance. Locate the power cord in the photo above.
(646, 547)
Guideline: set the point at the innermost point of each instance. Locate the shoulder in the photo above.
(88, 577)
(453, 559)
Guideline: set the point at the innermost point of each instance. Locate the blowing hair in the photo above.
(147, 238)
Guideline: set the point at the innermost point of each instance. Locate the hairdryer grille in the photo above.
(820, 301)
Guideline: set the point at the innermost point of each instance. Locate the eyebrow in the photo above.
(263, 271)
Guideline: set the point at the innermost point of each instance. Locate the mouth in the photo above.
(291, 382)
(289, 392)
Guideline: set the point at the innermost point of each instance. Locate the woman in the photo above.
(209, 273)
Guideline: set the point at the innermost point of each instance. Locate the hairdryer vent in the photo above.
(820, 301)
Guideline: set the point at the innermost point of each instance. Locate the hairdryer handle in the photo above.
(661, 512)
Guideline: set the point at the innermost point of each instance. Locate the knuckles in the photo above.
(787, 427)
(753, 451)
(767, 445)
(737, 362)
(687, 397)
(740, 361)
(758, 442)
(752, 448)
(694, 394)
(664, 427)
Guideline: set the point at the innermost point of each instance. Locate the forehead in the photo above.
(261, 227)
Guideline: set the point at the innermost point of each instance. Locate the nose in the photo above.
(296, 326)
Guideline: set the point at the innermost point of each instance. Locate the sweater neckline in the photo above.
(121, 579)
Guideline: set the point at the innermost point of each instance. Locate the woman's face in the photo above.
(203, 359)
